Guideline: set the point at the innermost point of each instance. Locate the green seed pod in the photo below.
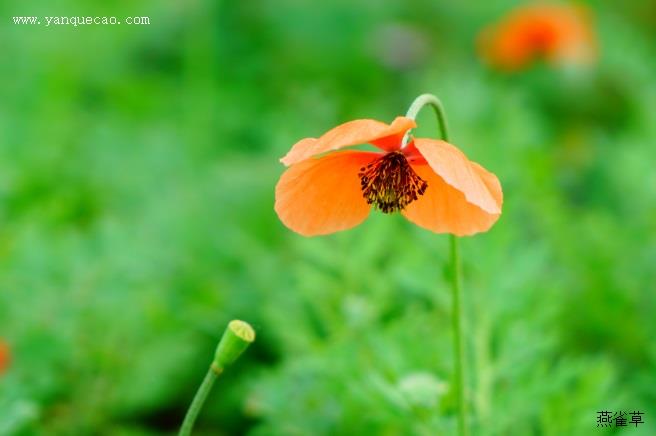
(236, 338)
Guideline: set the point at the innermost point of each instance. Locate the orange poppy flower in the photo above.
(430, 182)
(556, 33)
(5, 357)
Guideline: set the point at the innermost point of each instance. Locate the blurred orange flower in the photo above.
(5, 357)
(431, 182)
(557, 33)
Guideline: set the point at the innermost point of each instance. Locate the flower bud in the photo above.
(236, 338)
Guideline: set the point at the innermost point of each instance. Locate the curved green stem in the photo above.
(458, 334)
(199, 400)
(436, 104)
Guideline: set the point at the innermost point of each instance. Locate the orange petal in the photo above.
(387, 137)
(444, 209)
(321, 196)
(5, 357)
(453, 166)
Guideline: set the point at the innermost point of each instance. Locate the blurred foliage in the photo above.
(137, 166)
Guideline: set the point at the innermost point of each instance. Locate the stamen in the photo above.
(390, 183)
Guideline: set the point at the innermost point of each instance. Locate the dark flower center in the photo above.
(390, 183)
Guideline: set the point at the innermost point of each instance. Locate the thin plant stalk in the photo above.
(199, 400)
(456, 274)
(458, 335)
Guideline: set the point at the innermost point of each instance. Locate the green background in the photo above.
(137, 169)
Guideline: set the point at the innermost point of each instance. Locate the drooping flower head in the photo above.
(430, 182)
(556, 33)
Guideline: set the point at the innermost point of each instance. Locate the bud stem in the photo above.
(236, 338)
(198, 402)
